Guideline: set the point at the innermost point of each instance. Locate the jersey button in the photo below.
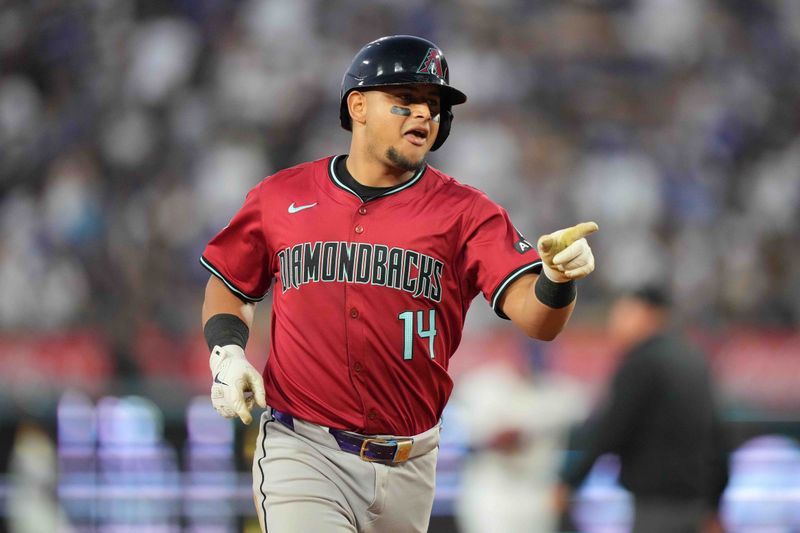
(372, 414)
(362, 210)
(359, 229)
(353, 312)
(357, 367)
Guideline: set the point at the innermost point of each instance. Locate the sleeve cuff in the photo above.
(233, 288)
(535, 268)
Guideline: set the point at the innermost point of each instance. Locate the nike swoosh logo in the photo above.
(295, 209)
(216, 380)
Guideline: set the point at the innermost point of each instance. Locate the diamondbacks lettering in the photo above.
(350, 262)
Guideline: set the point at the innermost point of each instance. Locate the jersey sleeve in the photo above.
(238, 255)
(496, 254)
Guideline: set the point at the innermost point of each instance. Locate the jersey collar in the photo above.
(403, 186)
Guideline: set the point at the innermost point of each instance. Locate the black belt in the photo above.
(385, 450)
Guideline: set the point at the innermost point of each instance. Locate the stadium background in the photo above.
(131, 129)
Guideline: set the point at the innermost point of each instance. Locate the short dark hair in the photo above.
(652, 294)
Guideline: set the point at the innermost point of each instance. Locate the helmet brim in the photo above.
(450, 95)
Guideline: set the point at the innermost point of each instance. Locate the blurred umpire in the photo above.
(661, 420)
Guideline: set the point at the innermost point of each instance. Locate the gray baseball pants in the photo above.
(303, 482)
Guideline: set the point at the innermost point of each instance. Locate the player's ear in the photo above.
(357, 106)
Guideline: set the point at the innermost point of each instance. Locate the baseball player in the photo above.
(375, 258)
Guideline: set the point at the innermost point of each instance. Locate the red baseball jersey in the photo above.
(369, 298)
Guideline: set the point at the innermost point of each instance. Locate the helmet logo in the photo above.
(432, 64)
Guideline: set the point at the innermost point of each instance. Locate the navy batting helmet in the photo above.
(401, 60)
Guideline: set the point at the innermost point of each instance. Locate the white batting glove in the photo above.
(566, 254)
(237, 385)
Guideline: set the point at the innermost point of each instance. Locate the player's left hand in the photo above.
(237, 384)
(566, 254)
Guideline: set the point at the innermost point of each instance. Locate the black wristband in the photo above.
(225, 329)
(555, 295)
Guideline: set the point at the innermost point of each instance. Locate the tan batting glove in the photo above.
(237, 385)
(566, 254)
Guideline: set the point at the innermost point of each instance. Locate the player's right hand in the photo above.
(566, 255)
(237, 384)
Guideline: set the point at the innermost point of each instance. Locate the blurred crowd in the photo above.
(130, 131)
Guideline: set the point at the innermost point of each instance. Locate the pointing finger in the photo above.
(575, 233)
(550, 245)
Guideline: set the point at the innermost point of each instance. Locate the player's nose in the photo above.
(421, 110)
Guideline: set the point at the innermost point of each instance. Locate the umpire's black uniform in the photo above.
(661, 420)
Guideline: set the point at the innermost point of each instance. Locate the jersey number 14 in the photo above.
(408, 331)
